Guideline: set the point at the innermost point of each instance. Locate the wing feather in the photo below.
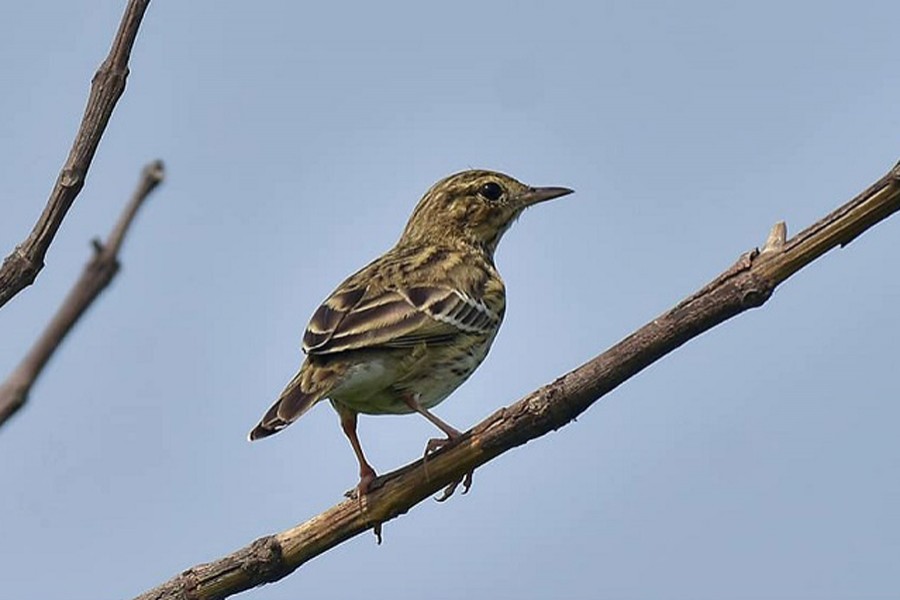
(396, 318)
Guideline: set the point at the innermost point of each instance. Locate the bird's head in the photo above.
(473, 206)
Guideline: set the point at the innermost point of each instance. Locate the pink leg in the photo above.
(436, 444)
(366, 472)
(452, 432)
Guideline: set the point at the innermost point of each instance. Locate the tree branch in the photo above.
(747, 284)
(23, 264)
(97, 275)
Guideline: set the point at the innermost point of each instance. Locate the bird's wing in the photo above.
(356, 318)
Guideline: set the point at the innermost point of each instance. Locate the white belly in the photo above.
(382, 384)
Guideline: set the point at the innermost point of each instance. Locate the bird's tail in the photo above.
(299, 396)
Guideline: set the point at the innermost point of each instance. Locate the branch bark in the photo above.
(97, 275)
(746, 284)
(23, 264)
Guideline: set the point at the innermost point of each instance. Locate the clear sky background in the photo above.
(759, 461)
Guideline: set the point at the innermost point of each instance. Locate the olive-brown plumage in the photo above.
(402, 333)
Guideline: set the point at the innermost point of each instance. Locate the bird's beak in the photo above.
(542, 194)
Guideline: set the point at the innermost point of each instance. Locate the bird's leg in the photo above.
(436, 444)
(366, 472)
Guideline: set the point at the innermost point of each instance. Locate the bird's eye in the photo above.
(491, 191)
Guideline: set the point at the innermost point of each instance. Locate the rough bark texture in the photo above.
(23, 264)
(747, 284)
(97, 275)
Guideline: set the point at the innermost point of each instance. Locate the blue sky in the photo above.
(758, 461)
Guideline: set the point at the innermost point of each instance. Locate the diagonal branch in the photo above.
(22, 266)
(97, 275)
(746, 284)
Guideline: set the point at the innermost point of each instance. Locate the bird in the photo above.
(402, 333)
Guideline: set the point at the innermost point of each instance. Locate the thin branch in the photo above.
(97, 275)
(747, 284)
(23, 264)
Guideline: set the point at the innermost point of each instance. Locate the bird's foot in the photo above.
(436, 444)
(366, 477)
(365, 482)
(359, 493)
(465, 480)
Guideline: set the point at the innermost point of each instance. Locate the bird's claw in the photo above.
(363, 487)
(465, 480)
(435, 444)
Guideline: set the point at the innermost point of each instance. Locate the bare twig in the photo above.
(97, 274)
(22, 266)
(747, 284)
